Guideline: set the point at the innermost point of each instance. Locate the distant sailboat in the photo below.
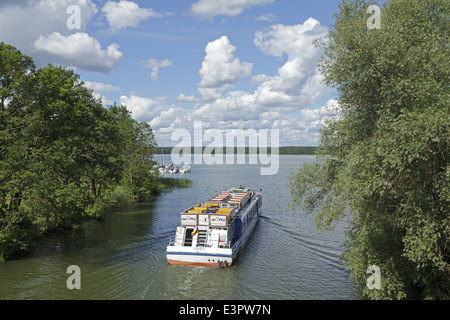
(186, 168)
(162, 169)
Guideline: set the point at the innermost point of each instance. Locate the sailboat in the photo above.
(185, 169)
(162, 169)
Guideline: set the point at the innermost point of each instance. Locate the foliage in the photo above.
(64, 157)
(136, 150)
(384, 161)
(167, 184)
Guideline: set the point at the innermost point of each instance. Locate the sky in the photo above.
(230, 64)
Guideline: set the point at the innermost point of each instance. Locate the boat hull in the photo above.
(200, 257)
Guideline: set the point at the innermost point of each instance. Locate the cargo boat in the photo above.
(213, 233)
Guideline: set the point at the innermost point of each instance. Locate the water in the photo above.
(123, 257)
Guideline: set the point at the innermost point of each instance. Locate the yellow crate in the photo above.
(226, 213)
(195, 211)
(212, 204)
(200, 208)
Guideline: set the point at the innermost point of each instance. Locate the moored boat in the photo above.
(213, 233)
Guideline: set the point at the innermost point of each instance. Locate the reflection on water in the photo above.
(123, 257)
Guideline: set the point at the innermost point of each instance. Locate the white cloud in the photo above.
(79, 50)
(282, 100)
(183, 98)
(317, 116)
(162, 118)
(100, 87)
(142, 109)
(266, 17)
(260, 78)
(155, 64)
(296, 85)
(39, 28)
(210, 9)
(321, 115)
(298, 82)
(168, 118)
(235, 112)
(125, 14)
(221, 69)
(22, 22)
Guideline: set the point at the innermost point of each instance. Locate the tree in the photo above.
(135, 154)
(384, 161)
(60, 142)
(62, 154)
(14, 66)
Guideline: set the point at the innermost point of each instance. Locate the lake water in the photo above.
(123, 257)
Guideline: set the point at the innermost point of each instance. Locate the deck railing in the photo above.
(226, 245)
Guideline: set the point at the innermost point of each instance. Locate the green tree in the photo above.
(63, 155)
(62, 143)
(384, 161)
(14, 66)
(136, 151)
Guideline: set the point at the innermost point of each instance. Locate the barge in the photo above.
(213, 233)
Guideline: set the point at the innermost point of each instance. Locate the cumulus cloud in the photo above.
(39, 28)
(123, 14)
(79, 50)
(281, 101)
(100, 87)
(210, 9)
(260, 78)
(296, 85)
(298, 82)
(266, 17)
(22, 22)
(221, 69)
(183, 98)
(155, 64)
(142, 109)
(226, 114)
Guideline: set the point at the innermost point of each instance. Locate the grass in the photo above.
(171, 183)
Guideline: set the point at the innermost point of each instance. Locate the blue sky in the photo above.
(232, 64)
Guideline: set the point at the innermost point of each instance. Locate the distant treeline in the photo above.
(291, 150)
